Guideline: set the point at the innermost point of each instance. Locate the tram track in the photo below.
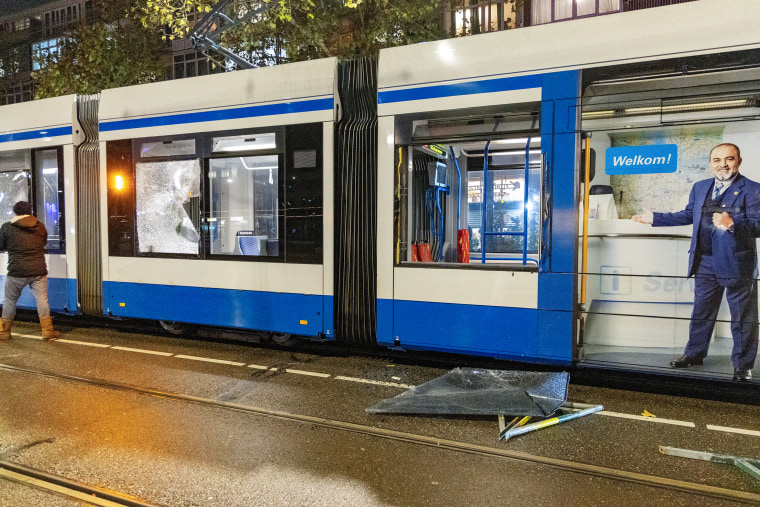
(712, 492)
(62, 486)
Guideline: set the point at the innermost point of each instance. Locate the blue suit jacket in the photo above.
(734, 254)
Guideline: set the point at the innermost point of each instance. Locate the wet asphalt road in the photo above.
(174, 452)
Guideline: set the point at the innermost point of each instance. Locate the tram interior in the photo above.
(448, 215)
(638, 299)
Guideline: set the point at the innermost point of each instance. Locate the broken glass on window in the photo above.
(168, 206)
(15, 167)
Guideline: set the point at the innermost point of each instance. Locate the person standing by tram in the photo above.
(725, 214)
(25, 237)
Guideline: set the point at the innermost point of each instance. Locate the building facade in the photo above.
(33, 28)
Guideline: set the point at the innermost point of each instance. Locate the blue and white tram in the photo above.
(470, 196)
(37, 152)
(214, 190)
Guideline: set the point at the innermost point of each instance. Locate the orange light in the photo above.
(119, 183)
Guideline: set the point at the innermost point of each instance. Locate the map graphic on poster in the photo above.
(666, 192)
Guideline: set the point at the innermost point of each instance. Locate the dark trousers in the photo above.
(742, 301)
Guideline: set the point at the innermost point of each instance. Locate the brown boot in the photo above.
(5, 329)
(48, 333)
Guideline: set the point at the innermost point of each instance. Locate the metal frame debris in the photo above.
(750, 466)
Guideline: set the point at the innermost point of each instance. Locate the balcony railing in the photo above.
(635, 5)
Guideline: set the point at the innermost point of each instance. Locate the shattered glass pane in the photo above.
(482, 392)
(165, 190)
(15, 167)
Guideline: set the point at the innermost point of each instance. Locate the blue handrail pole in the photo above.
(525, 202)
(484, 196)
(459, 186)
(442, 227)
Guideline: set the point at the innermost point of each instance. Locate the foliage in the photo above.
(293, 30)
(108, 53)
(176, 15)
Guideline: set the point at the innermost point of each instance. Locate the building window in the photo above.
(16, 94)
(43, 50)
(548, 11)
(54, 21)
(11, 62)
(16, 25)
(194, 64)
(482, 16)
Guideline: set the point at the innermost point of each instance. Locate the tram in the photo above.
(470, 196)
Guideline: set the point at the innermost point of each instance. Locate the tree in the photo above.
(108, 53)
(294, 30)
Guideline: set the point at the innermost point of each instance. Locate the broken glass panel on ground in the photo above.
(472, 391)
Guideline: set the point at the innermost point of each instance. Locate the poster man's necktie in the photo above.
(716, 190)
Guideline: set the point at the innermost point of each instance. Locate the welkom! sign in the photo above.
(655, 158)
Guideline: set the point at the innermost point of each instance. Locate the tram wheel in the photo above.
(176, 328)
(285, 339)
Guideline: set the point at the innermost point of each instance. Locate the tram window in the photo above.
(168, 206)
(15, 170)
(121, 198)
(253, 142)
(303, 194)
(244, 202)
(46, 171)
(260, 197)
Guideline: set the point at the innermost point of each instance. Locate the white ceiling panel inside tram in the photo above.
(707, 97)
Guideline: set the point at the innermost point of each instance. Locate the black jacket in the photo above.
(25, 241)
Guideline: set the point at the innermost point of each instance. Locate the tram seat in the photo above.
(250, 244)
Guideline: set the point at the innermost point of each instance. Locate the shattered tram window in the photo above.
(15, 168)
(168, 199)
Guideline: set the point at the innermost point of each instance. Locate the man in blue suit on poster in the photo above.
(725, 213)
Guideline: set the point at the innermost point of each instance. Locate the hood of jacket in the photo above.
(25, 222)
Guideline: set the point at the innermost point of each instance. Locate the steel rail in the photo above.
(58, 485)
(440, 443)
